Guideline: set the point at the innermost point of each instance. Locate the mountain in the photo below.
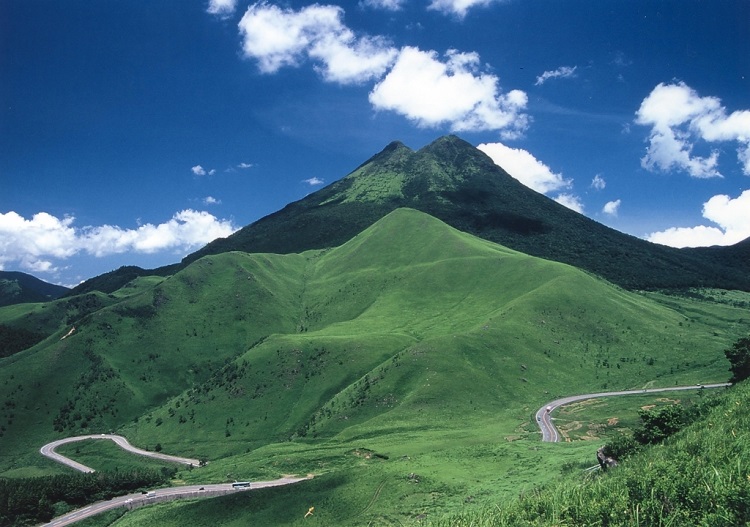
(411, 349)
(16, 288)
(286, 341)
(457, 183)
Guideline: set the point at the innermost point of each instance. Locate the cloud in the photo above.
(427, 89)
(222, 8)
(245, 165)
(527, 169)
(32, 243)
(598, 183)
(210, 200)
(611, 207)
(347, 60)
(200, 171)
(563, 72)
(571, 201)
(434, 92)
(278, 37)
(457, 8)
(313, 181)
(388, 5)
(679, 120)
(731, 215)
(524, 167)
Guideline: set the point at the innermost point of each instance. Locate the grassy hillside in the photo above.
(457, 183)
(402, 368)
(16, 288)
(698, 477)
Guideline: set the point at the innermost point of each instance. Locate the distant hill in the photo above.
(17, 288)
(457, 183)
(452, 180)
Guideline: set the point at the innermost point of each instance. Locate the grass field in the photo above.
(601, 419)
(105, 455)
(402, 369)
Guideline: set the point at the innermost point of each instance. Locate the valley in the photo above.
(401, 368)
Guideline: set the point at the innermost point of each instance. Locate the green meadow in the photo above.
(402, 370)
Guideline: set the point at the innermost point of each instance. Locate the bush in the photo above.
(739, 359)
(659, 423)
(622, 447)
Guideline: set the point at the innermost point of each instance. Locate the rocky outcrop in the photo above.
(604, 460)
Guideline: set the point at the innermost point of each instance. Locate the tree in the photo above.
(659, 423)
(739, 359)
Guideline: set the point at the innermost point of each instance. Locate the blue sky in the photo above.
(132, 133)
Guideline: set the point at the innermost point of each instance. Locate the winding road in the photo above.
(543, 419)
(132, 501)
(544, 414)
(48, 450)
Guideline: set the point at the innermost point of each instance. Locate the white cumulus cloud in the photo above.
(611, 207)
(210, 200)
(563, 72)
(278, 37)
(453, 91)
(32, 243)
(198, 170)
(313, 181)
(222, 8)
(680, 119)
(571, 201)
(457, 8)
(526, 168)
(598, 182)
(431, 90)
(731, 219)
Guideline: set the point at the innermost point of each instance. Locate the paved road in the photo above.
(48, 450)
(159, 495)
(544, 414)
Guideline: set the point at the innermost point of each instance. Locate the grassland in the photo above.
(603, 419)
(700, 476)
(401, 368)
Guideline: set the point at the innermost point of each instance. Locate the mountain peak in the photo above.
(457, 183)
(395, 150)
(448, 141)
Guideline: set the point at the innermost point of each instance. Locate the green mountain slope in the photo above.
(16, 288)
(697, 477)
(455, 182)
(411, 329)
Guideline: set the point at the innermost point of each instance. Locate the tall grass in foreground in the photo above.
(701, 476)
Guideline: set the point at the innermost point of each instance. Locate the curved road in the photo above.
(544, 414)
(48, 450)
(132, 501)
